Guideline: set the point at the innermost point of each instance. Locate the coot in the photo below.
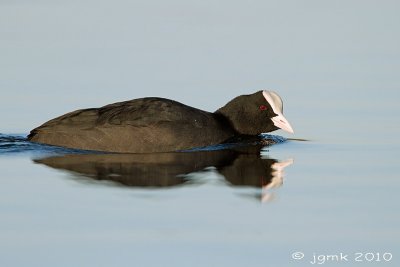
(159, 125)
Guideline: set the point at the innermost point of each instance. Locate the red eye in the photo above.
(262, 107)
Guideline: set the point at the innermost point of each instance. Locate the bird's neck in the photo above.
(233, 117)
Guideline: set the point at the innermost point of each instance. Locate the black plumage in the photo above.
(156, 125)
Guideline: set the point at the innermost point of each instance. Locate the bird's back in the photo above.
(135, 126)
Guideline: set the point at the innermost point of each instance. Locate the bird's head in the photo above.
(256, 113)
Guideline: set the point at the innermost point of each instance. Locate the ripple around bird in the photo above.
(18, 143)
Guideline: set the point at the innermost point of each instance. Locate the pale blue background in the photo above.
(325, 58)
(336, 64)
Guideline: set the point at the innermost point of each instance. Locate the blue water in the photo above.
(334, 63)
(225, 207)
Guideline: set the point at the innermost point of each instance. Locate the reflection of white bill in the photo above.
(277, 179)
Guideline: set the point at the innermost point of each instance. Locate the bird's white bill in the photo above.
(282, 123)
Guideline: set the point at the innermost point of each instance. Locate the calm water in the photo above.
(244, 206)
(336, 65)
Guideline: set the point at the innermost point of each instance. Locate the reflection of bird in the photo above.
(143, 170)
(277, 179)
(242, 166)
(159, 125)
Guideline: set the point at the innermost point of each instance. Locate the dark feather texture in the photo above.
(155, 125)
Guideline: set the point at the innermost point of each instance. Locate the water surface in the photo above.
(334, 63)
(249, 205)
